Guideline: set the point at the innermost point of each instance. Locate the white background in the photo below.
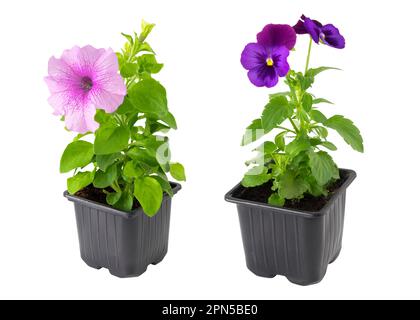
(200, 43)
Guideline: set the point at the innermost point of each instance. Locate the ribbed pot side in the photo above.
(298, 245)
(124, 243)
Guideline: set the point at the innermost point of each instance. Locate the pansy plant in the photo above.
(296, 163)
(114, 99)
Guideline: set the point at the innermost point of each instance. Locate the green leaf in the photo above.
(254, 132)
(104, 161)
(158, 127)
(316, 71)
(128, 37)
(149, 96)
(297, 146)
(132, 170)
(145, 47)
(267, 147)
(126, 107)
(125, 202)
(104, 179)
(142, 156)
(347, 130)
(113, 198)
(148, 63)
(103, 117)
(275, 112)
(149, 193)
(276, 200)
(166, 186)
(318, 116)
(279, 94)
(329, 145)
(111, 139)
(146, 28)
(321, 100)
(255, 177)
(280, 141)
(169, 119)
(79, 181)
(291, 187)
(323, 167)
(78, 154)
(128, 70)
(321, 131)
(307, 102)
(177, 171)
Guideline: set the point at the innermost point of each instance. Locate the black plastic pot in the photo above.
(124, 243)
(292, 243)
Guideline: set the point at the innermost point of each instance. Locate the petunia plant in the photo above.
(121, 115)
(296, 162)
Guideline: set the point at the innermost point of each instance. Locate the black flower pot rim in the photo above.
(108, 209)
(350, 175)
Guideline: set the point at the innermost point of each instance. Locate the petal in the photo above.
(81, 120)
(332, 37)
(106, 100)
(82, 60)
(60, 75)
(107, 62)
(299, 27)
(263, 76)
(253, 55)
(313, 28)
(280, 55)
(277, 35)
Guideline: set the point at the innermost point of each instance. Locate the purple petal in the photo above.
(332, 37)
(263, 76)
(253, 55)
(279, 56)
(277, 35)
(300, 28)
(313, 28)
(81, 121)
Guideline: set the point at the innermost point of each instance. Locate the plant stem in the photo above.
(309, 55)
(285, 129)
(294, 125)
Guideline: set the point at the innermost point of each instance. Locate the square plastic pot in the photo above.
(297, 244)
(125, 243)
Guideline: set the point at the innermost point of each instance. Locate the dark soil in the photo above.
(308, 203)
(98, 195)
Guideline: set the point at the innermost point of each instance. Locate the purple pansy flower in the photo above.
(81, 81)
(327, 34)
(266, 60)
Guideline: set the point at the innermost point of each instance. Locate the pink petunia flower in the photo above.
(81, 81)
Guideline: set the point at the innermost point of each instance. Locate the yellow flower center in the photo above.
(270, 62)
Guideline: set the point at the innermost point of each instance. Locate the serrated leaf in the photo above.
(317, 116)
(275, 112)
(276, 200)
(347, 130)
(291, 186)
(280, 141)
(297, 146)
(323, 167)
(256, 177)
